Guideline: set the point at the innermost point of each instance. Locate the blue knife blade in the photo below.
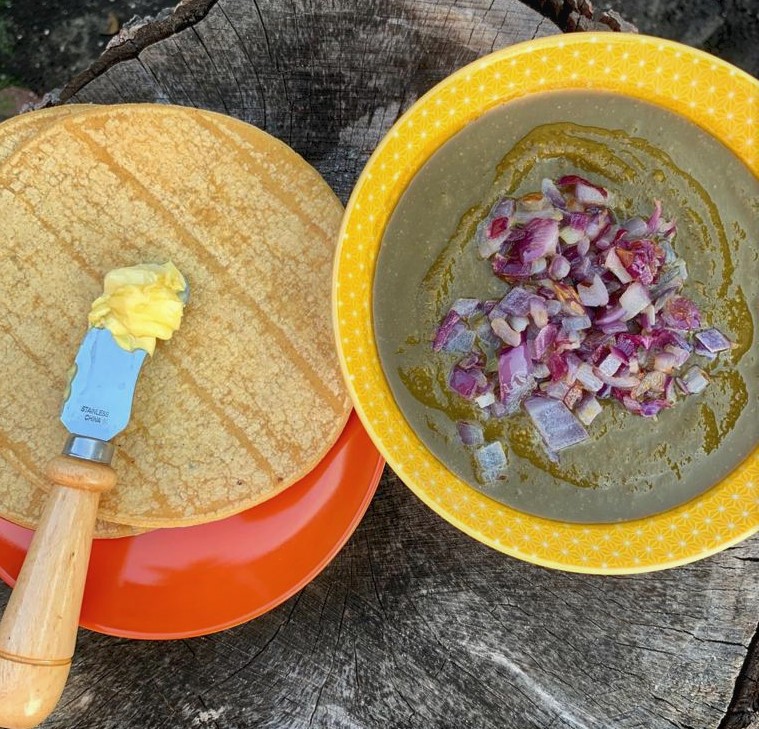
(99, 401)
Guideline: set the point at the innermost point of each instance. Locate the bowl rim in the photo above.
(720, 517)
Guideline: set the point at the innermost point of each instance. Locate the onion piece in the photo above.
(587, 409)
(695, 380)
(594, 294)
(445, 330)
(471, 434)
(557, 390)
(576, 323)
(610, 365)
(555, 422)
(551, 192)
(613, 263)
(559, 268)
(634, 300)
(587, 377)
(714, 340)
(570, 235)
(467, 308)
(514, 372)
(502, 330)
(461, 341)
(516, 302)
(681, 313)
(597, 312)
(486, 400)
(518, 323)
(538, 311)
(541, 240)
(491, 461)
(665, 362)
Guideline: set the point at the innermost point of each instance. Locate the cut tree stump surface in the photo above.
(413, 624)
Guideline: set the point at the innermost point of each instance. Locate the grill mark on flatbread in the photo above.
(263, 176)
(22, 455)
(283, 341)
(29, 353)
(229, 425)
(83, 263)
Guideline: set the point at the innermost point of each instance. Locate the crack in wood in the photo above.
(744, 705)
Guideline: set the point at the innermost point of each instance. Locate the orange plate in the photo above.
(178, 583)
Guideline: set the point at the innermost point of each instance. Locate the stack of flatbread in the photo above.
(247, 397)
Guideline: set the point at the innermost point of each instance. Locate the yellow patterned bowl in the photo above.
(711, 93)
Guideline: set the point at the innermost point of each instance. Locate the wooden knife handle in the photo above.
(38, 629)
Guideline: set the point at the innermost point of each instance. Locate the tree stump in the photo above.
(413, 624)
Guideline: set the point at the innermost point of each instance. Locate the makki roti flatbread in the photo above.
(14, 133)
(247, 397)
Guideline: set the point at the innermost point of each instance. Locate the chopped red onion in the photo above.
(518, 323)
(702, 351)
(558, 366)
(544, 340)
(594, 294)
(538, 311)
(461, 340)
(714, 340)
(635, 227)
(498, 226)
(510, 270)
(445, 330)
(613, 263)
(653, 222)
(573, 396)
(538, 266)
(516, 302)
(681, 354)
(665, 362)
(572, 235)
(541, 241)
(621, 382)
(555, 422)
(466, 383)
(589, 380)
(486, 400)
(514, 370)
(471, 434)
(559, 268)
(610, 365)
(575, 323)
(681, 313)
(648, 317)
(695, 380)
(552, 193)
(491, 460)
(553, 307)
(634, 300)
(650, 408)
(597, 313)
(610, 315)
(557, 390)
(467, 308)
(614, 327)
(587, 409)
(502, 329)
